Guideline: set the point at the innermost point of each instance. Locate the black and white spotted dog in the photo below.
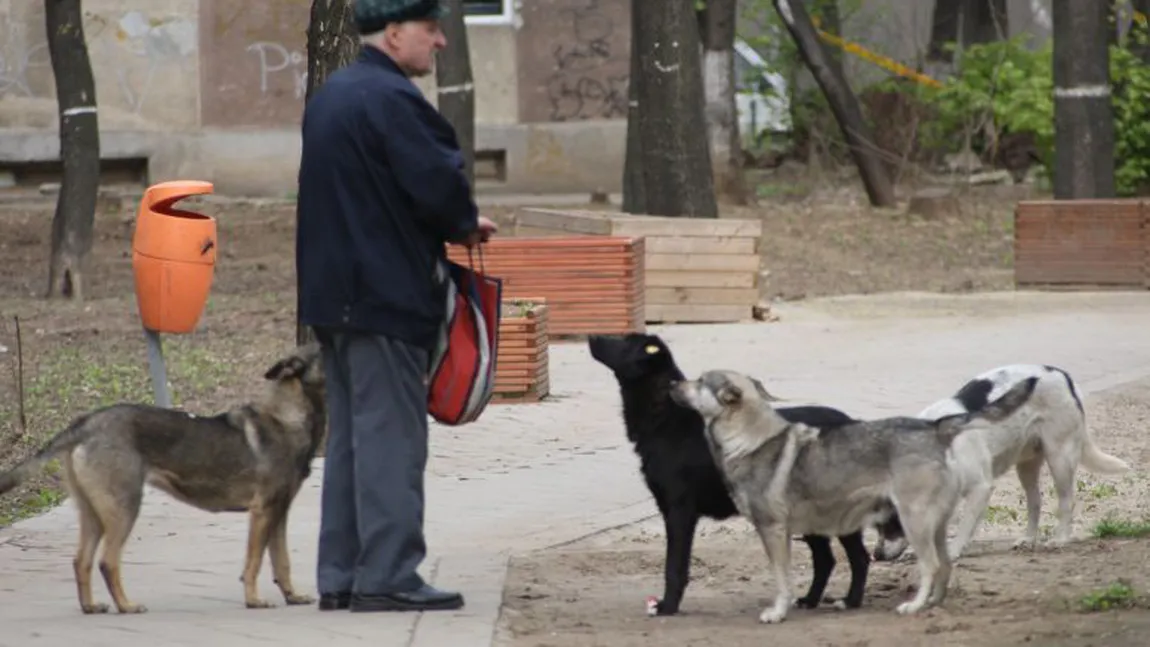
(1050, 428)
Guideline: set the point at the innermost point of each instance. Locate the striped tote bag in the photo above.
(462, 377)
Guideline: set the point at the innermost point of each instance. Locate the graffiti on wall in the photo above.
(133, 55)
(20, 64)
(275, 59)
(254, 62)
(160, 43)
(577, 89)
(574, 60)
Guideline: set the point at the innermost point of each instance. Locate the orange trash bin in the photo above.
(173, 257)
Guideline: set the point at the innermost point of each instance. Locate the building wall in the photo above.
(213, 89)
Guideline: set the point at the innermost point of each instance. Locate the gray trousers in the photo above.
(371, 515)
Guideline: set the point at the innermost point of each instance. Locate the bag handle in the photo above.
(471, 257)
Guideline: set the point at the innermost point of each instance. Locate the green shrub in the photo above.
(1009, 87)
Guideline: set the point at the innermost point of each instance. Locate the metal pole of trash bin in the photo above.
(173, 260)
(157, 369)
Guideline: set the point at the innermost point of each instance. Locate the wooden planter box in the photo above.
(521, 363)
(697, 270)
(591, 284)
(1082, 244)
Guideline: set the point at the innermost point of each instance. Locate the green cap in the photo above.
(373, 15)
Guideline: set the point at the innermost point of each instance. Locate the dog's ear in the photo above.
(730, 394)
(763, 393)
(286, 368)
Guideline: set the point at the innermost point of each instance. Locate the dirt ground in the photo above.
(593, 593)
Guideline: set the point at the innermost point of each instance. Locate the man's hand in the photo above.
(483, 234)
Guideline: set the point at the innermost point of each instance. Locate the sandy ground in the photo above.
(593, 592)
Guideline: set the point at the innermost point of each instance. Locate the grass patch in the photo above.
(65, 381)
(1122, 529)
(1096, 491)
(1119, 595)
(1001, 514)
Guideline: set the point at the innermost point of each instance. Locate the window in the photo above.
(487, 11)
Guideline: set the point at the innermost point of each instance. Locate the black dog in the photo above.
(681, 474)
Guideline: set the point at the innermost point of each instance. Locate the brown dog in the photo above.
(252, 458)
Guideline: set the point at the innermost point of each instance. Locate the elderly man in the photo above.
(381, 189)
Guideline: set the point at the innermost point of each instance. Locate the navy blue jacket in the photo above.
(381, 189)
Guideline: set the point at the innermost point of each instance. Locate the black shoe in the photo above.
(334, 601)
(425, 598)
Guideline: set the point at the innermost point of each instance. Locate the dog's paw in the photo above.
(772, 616)
(841, 605)
(298, 598)
(657, 607)
(1024, 543)
(133, 609)
(908, 608)
(805, 603)
(258, 604)
(90, 609)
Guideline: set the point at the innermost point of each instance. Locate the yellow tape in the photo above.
(884, 62)
(894, 66)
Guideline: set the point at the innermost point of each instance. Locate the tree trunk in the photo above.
(676, 161)
(634, 180)
(842, 101)
(832, 23)
(985, 22)
(456, 94)
(1113, 22)
(717, 29)
(332, 42)
(1140, 45)
(1083, 116)
(944, 29)
(79, 149)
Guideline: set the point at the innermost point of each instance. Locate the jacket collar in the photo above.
(375, 56)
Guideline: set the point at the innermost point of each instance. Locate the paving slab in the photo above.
(528, 477)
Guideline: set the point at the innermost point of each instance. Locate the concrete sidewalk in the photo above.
(527, 477)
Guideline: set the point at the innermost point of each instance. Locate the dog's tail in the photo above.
(1099, 462)
(997, 411)
(73, 435)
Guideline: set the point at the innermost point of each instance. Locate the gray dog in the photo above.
(786, 478)
(250, 458)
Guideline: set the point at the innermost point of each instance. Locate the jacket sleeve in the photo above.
(428, 169)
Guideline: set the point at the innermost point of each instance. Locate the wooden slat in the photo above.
(702, 296)
(562, 221)
(701, 262)
(695, 279)
(586, 281)
(697, 314)
(623, 224)
(699, 245)
(689, 227)
(522, 360)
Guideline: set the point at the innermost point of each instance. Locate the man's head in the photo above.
(408, 31)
